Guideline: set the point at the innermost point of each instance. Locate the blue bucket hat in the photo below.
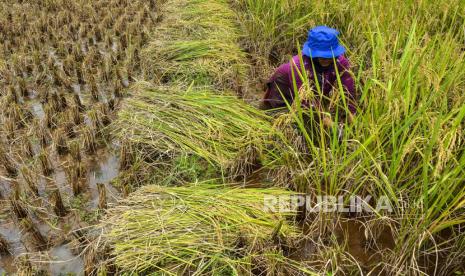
(322, 42)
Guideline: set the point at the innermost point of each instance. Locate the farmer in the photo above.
(321, 54)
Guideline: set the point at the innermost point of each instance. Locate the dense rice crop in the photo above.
(407, 141)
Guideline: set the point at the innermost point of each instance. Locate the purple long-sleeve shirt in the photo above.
(282, 80)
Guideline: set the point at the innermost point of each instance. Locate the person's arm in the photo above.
(277, 86)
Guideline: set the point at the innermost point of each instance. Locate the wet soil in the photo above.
(365, 242)
(352, 238)
(64, 70)
(102, 168)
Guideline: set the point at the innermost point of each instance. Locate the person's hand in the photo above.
(327, 122)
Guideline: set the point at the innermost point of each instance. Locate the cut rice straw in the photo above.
(201, 229)
(169, 121)
(197, 42)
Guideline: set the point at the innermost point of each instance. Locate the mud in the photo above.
(63, 261)
(37, 109)
(362, 245)
(7, 266)
(84, 52)
(11, 232)
(363, 242)
(103, 170)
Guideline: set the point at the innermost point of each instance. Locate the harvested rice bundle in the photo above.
(203, 229)
(213, 63)
(206, 53)
(200, 19)
(170, 122)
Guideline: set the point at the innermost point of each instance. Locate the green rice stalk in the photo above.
(406, 142)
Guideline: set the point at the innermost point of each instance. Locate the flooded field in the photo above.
(65, 66)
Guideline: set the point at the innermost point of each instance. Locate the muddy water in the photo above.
(351, 234)
(76, 88)
(11, 232)
(64, 62)
(5, 187)
(103, 170)
(63, 261)
(103, 167)
(37, 110)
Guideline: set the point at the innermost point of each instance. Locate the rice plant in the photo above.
(58, 205)
(4, 246)
(220, 129)
(197, 42)
(57, 91)
(102, 203)
(202, 229)
(406, 140)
